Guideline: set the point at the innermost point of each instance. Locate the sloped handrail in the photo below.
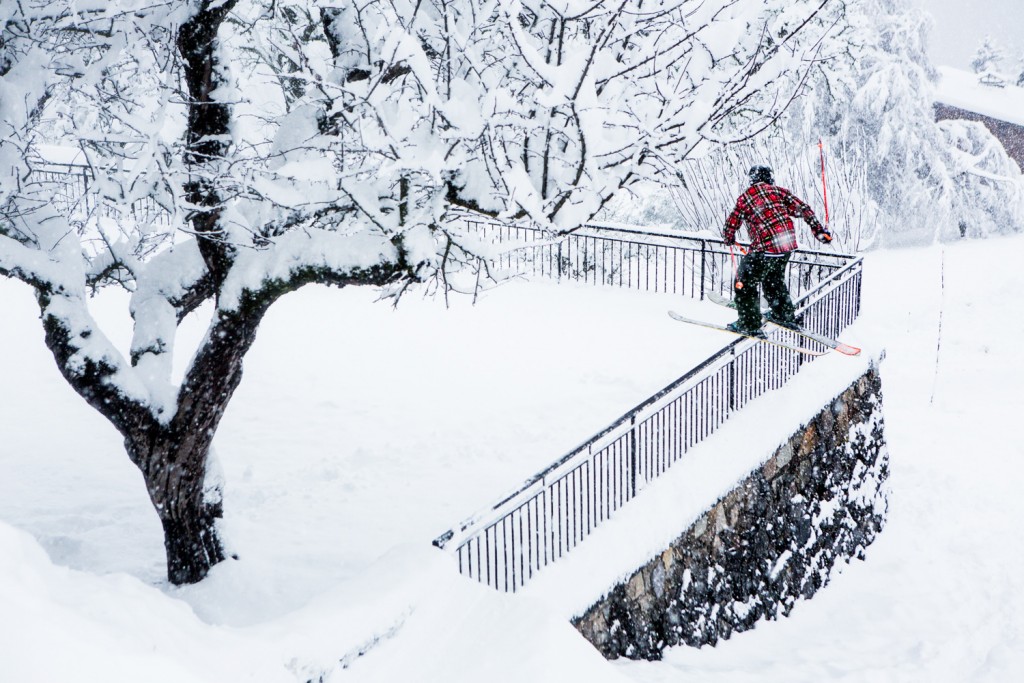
(553, 511)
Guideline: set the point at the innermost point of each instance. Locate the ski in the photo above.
(831, 343)
(766, 340)
(722, 300)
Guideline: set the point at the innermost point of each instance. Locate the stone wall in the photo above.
(774, 539)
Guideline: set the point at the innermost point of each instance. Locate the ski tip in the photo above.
(847, 349)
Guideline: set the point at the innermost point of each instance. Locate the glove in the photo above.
(825, 238)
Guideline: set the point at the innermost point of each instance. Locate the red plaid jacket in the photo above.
(767, 210)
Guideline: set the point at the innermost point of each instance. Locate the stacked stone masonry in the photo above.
(773, 540)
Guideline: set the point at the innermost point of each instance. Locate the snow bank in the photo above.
(410, 617)
(58, 624)
(961, 89)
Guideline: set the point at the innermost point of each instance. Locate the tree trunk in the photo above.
(208, 134)
(174, 470)
(192, 544)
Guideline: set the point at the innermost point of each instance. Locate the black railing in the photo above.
(71, 189)
(556, 509)
(621, 257)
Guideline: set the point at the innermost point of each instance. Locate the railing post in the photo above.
(632, 457)
(732, 381)
(703, 265)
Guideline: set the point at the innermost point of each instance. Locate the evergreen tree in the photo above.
(931, 181)
(988, 57)
(987, 64)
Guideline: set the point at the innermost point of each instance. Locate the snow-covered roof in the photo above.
(961, 89)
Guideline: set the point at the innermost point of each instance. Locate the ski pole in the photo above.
(824, 188)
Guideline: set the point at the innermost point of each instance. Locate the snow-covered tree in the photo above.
(916, 174)
(238, 150)
(988, 58)
(895, 175)
(988, 188)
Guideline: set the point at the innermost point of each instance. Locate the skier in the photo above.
(767, 208)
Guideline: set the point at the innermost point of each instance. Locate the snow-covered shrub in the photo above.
(707, 188)
(989, 193)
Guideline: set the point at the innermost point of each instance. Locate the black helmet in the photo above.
(761, 174)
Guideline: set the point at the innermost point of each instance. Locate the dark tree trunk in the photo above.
(173, 457)
(174, 469)
(175, 476)
(192, 545)
(209, 131)
(172, 453)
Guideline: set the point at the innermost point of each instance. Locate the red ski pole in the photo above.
(824, 189)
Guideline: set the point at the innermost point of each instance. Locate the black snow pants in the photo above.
(760, 270)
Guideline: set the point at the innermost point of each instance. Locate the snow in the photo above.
(360, 432)
(961, 89)
(56, 154)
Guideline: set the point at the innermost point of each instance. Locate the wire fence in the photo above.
(505, 545)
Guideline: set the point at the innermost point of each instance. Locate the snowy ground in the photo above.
(364, 432)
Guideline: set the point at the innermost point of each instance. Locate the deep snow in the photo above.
(359, 433)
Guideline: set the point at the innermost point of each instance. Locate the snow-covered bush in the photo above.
(989, 193)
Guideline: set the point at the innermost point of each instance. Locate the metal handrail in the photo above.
(588, 445)
(660, 262)
(551, 512)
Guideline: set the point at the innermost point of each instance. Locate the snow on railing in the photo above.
(556, 509)
(72, 189)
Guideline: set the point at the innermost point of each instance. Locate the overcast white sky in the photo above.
(961, 26)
